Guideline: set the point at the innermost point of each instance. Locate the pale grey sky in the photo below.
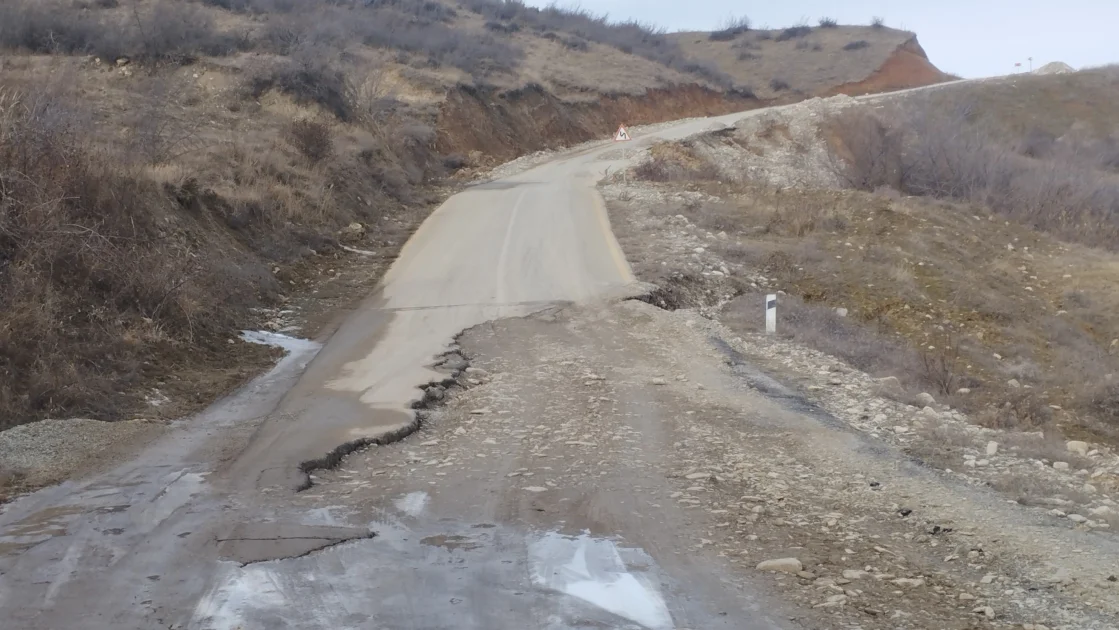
(973, 38)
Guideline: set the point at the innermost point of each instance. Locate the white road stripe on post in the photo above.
(770, 314)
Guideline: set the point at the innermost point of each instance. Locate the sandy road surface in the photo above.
(202, 530)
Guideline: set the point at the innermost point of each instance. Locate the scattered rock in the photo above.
(1014, 383)
(909, 582)
(890, 386)
(481, 412)
(659, 381)
(986, 611)
(1077, 518)
(854, 574)
(536, 489)
(963, 391)
(1080, 448)
(925, 399)
(1060, 465)
(782, 565)
(992, 448)
(930, 413)
(966, 597)
(352, 232)
(842, 312)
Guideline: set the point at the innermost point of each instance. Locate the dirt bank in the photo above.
(907, 67)
(504, 125)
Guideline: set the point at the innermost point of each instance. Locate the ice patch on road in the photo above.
(413, 503)
(299, 351)
(592, 570)
(293, 345)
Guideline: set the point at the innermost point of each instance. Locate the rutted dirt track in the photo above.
(601, 463)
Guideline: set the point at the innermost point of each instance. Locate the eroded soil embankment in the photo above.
(505, 125)
(908, 67)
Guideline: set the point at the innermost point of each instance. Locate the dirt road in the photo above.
(594, 463)
(140, 545)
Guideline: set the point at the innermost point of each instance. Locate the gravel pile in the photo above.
(51, 450)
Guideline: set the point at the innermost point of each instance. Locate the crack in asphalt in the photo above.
(330, 543)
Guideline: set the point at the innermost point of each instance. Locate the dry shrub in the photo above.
(794, 32)
(865, 152)
(312, 139)
(92, 281)
(942, 152)
(668, 162)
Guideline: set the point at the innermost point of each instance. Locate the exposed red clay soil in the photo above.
(908, 67)
(504, 125)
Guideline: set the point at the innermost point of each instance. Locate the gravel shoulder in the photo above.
(651, 427)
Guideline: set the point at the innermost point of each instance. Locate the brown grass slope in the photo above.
(167, 167)
(971, 240)
(816, 61)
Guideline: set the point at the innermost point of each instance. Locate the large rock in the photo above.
(1075, 446)
(890, 386)
(782, 565)
(925, 399)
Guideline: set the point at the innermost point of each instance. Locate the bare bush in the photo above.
(794, 32)
(164, 31)
(630, 37)
(865, 152)
(70, 344)
(827, 22)
(943, 153)
(858, 44)
(310, 75)
(312, 139)
(731, 29)
(877, 22)
(778, 85)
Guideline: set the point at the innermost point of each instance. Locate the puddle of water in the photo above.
(592, 570)
(293, 345)
(413, 503)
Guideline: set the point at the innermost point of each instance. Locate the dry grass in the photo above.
(933, 292)
(757, 58)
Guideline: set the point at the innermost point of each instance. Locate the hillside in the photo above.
(198, 168)
(810, 61)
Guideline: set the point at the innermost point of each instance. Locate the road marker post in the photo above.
(771, 314)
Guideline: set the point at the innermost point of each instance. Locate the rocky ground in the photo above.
(657, 428)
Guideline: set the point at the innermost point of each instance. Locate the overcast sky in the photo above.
(973, 38)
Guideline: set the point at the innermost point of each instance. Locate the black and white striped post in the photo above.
(770, 314)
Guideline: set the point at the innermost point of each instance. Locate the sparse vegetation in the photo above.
(857, 45)
(794, 32)
(731, 29)
(778, 85)
(827, 22)
(878, 22)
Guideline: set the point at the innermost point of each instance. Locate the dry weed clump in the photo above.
(933, 151)
(93, 280)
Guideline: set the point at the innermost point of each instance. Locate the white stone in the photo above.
(783, 565)
(1074, 446)
(909, 582)
(925, 399)
(1060, 465)
(992, 448)
(853, 574)
(1014, 383)
(1077, 518)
